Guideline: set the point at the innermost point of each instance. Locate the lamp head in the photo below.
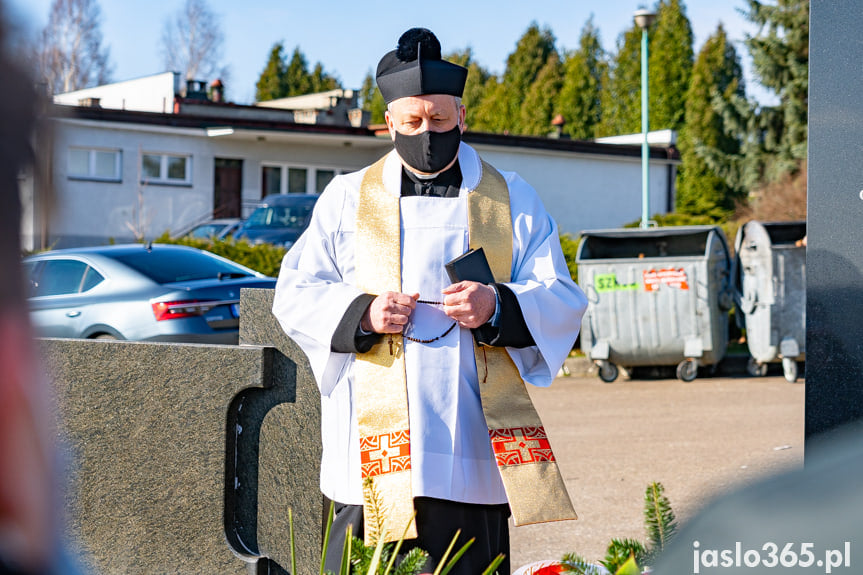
(644, 18)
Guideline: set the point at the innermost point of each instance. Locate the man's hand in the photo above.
(389, 312)
(471, 304)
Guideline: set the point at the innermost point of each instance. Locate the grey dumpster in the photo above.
(770, 293)
(657, 296)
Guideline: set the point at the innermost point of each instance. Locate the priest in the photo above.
(427, 426)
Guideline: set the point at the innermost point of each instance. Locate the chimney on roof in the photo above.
(217, 91)
(558, 123)
(195, 89)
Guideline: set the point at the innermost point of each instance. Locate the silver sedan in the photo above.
(138, 292)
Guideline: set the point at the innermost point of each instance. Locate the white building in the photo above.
(122, 168)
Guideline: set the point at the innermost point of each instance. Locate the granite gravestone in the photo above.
(834, 259)
(185, 458)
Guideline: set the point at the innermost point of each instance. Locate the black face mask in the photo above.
(429, 151)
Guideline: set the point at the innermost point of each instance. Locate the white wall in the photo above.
(581, 191)
(584, 192)
(148, 94)
(89, 212)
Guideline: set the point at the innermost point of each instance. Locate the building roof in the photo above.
(224, 119)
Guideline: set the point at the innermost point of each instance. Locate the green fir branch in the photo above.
(361, 557)
(658, 517)
(575, 563)
(620, 550)
(412, 563)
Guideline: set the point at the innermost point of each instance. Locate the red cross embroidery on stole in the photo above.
(517, 445)
(385, 453)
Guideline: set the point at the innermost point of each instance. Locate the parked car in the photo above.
(218, 228)
(149, 292)
(279, 220)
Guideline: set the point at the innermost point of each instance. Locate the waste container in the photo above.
(770, 293)
(657, 296)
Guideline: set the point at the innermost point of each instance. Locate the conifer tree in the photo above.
(538, 108)
(378, 107)
(579, 99)
(372, 100)
(670, 65)
(297, 78)
(475, 86)
(780, 59)
(367, 91)
(501, 108)
(773, 138)
(321, 81)
(492, 115)
(281, 79)
(270, 85)
(621, 94)
(717, 70)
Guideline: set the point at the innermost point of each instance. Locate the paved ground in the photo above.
(698, 439)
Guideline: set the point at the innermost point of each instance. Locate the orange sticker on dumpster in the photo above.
(675, 278)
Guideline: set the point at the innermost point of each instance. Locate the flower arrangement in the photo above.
(382, 558)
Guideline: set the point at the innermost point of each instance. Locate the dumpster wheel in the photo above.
(687, 370)
(608, 371)
(789, 369)
(756, 369)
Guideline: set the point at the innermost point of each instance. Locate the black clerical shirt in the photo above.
(511, 329)
(445, 185)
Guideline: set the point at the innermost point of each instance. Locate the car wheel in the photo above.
(104, 336)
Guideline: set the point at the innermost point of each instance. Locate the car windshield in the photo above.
(295, 216)
(171, 266)
(207, 230)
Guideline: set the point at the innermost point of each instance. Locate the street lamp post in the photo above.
(643, 19)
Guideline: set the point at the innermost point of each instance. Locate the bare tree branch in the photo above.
(70, 54)
(192, 41)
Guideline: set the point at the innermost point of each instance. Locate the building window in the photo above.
(95, 164)
(286, 179)
(322, 178)
(271, 180)
(297, 180)
(166, 169)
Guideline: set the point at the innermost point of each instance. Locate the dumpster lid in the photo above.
(785, 232)
(676, 241)
(765, 234)
(650, 232)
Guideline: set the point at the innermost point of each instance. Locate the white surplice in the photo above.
(451, 456)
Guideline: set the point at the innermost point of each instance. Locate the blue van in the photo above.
(279, 220)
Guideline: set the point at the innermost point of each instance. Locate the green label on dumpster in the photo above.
(608, 282)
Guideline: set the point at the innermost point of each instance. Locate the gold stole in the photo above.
(530, 475)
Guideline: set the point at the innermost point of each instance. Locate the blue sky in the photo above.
(349, 38)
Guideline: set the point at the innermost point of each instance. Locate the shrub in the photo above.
(570, 250)
(263, 258)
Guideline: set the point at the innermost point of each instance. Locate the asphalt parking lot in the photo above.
(698, 439)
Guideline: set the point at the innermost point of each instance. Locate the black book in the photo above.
(473, 266)
(470, 266)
